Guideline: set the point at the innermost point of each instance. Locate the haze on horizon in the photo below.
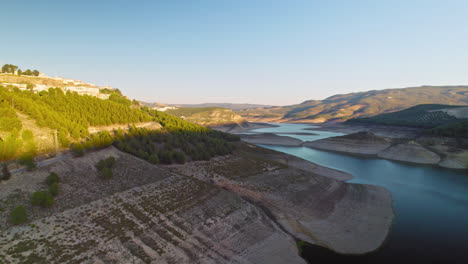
(261, 51)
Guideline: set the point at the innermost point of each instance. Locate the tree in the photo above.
(20, 71)
(18, 215)
(9, 68)
(35, 73)
(13, 68)
(6, 175)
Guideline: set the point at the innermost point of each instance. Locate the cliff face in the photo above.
(245, 208)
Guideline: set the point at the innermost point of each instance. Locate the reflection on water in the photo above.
(430, 204)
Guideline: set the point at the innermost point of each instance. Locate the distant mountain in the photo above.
(234, 107)
(363, 104)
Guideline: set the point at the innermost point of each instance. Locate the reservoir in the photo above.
(430, 203)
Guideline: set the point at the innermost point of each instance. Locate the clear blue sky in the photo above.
(243, 51)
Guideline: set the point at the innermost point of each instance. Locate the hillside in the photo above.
(363, 104)
(445, 120)
(130, 184)
(249, 207)
(28, 121)
(207, 116)
(36, 80)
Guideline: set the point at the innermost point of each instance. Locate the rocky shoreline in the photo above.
(242, 128)
(271, 139)
(443, 152)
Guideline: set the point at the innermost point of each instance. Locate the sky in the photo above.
(240, 51)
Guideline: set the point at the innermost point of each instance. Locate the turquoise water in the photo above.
(430, 203)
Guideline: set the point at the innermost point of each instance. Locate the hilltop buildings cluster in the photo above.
(66, 85)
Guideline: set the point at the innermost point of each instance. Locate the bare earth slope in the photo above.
(241, 208)
(348, 218)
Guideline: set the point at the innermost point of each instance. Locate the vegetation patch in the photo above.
(18, 215)
(105, 166)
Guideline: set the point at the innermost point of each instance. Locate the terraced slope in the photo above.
(143, 215)
(245, 208)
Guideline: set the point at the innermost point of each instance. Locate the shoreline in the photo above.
(242, 128)
(271, 139)
(407, 151)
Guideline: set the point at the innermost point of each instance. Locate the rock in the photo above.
(458, 160)
(362, 143)
(410, 152)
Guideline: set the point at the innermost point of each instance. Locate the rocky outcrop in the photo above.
(363, 143)
(410, 152)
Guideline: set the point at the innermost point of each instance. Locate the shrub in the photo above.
(18, 215)
(179, 157)
(28, 161)
(43, 199)
(106, 173)
(54, 189)
(52, 178)
(154, 159)
(27, 135)
(105, 166)
(77, 150)
(6, 175)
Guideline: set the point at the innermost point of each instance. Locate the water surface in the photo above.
(430, 203)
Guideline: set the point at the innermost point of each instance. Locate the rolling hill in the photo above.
(207, 116)
(234, 107)
(363, 104)
(445, 120)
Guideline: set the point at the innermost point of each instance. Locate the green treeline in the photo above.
(175, 147)
(10, 68)
(458, 130)
(162, 146)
